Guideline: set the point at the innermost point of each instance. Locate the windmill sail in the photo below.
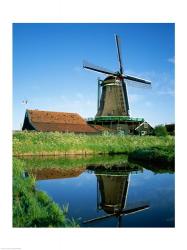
(119, 54)
(136, 79)
(99, 69)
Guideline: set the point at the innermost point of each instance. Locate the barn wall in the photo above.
(27, 125)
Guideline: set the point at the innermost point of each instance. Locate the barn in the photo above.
(48, 121)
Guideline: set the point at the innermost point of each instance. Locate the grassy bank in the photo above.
(32, 143)
(32, 208)
(163, 156)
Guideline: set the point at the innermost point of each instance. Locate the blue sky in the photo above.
(47, 67)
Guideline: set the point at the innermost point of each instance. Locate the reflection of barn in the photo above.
(56, 173)
(57, 121)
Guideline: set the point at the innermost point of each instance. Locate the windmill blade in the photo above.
(119, 221)
(135, 209)
(138, 84)
(136, 79)
(99, 218)
(90, 66)
(119, 53)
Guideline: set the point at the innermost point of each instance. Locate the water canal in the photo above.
(108, 192)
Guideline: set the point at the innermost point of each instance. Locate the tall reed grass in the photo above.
(46, 143)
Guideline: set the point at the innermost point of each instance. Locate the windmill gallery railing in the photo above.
(115, 118)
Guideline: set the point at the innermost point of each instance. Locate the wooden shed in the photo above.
(170, 128)
(47, 121)
(144, 129)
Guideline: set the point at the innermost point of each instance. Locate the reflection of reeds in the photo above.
(65, 208)
(38, 162)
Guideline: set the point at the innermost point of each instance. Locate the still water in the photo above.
(102, 197)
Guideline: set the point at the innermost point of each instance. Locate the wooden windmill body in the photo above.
(112, 101)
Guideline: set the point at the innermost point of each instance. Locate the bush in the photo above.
(160, 130)
(161, 156)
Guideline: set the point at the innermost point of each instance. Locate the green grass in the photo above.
(155, 156)
(32, 208)
(46, 143)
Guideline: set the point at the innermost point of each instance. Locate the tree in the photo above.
(160, 130)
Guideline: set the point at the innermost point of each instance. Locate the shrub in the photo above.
(164, 156)
(160, 130)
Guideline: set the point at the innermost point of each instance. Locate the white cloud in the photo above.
(166, 92)
(133, 98)
(78, 103)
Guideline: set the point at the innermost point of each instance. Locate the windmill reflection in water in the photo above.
(112, 192)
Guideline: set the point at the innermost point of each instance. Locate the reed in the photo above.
(54, 143)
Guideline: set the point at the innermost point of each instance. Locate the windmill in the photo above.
(114, 98)
(112, 191)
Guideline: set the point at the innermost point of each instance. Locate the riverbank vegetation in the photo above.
(160, 130)
(32, 208)
(54, 143)
(163, 156)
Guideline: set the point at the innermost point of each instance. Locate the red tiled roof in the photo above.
(43, 126)
(58, 121)
(55, 117)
